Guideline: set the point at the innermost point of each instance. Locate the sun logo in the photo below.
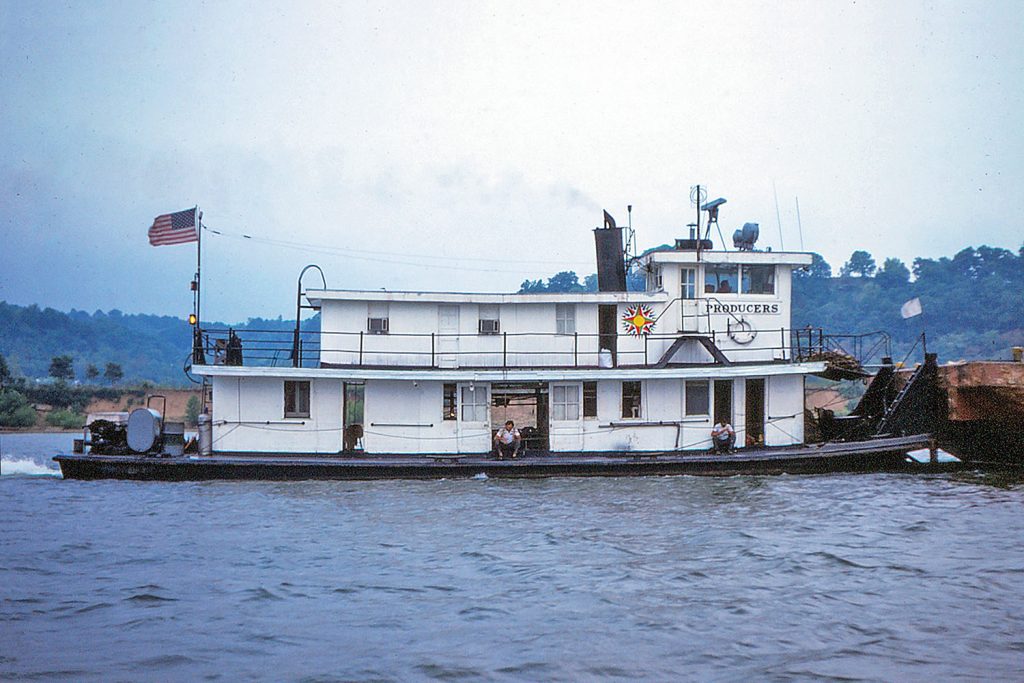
(638, 320)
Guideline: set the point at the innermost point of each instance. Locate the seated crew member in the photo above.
(507, 440)
(723, 436)
(725, 287)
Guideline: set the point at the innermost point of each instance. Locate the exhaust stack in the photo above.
(611, 263)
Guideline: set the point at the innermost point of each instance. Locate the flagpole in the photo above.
(197, 338)
(199, 260)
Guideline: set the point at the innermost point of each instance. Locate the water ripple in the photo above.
(875, 577)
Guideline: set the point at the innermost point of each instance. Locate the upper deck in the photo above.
(698, 308)
(712, 307)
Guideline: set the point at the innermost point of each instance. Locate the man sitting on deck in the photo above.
(507, 440)
(723, 436)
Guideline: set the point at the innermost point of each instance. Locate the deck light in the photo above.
(192, 319)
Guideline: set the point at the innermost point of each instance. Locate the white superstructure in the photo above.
(437, 372)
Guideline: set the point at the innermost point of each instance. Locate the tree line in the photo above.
(973, 302)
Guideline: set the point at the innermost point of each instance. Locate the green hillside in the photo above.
(146, 347)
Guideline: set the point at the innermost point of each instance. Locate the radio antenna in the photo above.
(799, 225)
(778, 216)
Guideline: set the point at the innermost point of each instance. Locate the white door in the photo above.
(691, 316)
(447, 336)
(688, 300)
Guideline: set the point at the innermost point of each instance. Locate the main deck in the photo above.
(888, 455)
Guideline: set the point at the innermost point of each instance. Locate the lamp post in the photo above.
(296, 357)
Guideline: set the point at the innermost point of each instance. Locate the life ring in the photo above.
(742, 332)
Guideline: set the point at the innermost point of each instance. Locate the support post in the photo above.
(296, 351)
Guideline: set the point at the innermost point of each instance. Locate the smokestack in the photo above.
(611, 266)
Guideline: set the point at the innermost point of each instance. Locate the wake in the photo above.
(25, 467)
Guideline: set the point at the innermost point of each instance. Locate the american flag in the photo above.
(174, 228)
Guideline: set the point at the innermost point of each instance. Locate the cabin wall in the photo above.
(784, 410)
(248, 416)
(527, 336)
(406, 416)
(769, 314)
(403, 416)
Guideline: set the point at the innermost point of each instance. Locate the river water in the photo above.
(861, 577)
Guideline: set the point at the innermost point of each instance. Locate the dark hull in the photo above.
(866, 456)
(985, 443)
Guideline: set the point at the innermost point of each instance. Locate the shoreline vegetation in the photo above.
(62, 409)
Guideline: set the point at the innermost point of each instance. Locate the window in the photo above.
(590, 399)
(655, 281)
(698, 396)
(565, 318)
(689, 283)
(449, 403)
(296, 399)
(721, 278)
(489, 319)
(630, 399)
(474, 404)
(758, 279)
(377, 318)
(565, 402)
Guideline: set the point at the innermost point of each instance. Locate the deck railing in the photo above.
(524, 350)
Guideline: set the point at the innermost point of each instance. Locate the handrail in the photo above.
(345, 348)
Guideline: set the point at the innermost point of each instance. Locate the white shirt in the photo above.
(506, 436)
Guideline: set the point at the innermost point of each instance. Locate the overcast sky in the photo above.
(484, 139)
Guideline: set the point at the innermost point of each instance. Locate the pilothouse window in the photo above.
(758, 279)
(655, 282)
(721, 278)
(688, 277)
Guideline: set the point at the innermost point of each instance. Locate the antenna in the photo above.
(799, 225)
(698, 195)
(629, 252)
(778, 216)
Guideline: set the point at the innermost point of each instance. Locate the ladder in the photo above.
(890, 414)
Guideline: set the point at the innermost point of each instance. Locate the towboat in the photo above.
(609, 382)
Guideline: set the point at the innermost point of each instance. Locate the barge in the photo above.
(612, 382)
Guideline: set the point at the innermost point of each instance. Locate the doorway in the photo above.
(754, 421)
(527, 405)
(353, 412)
(723, 400)
(608, 329)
